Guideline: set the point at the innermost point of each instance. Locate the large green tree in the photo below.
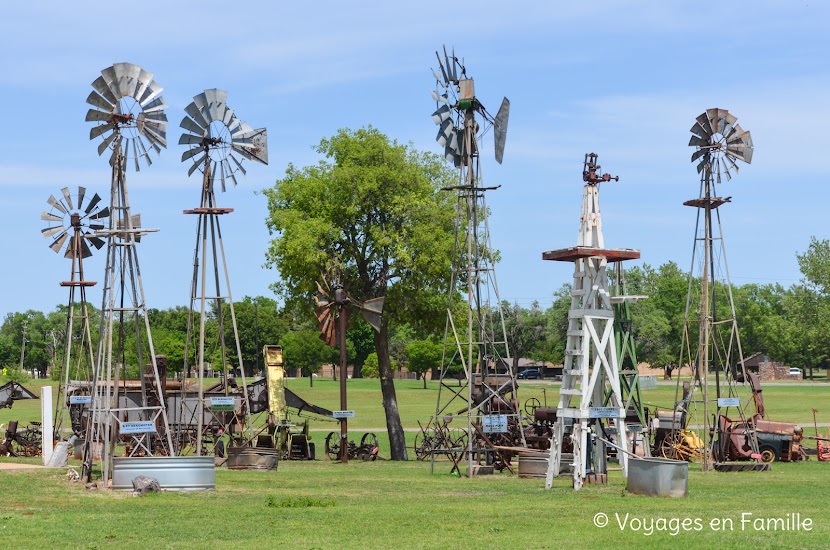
(373, 208)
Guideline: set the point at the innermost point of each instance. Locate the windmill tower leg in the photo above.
(591, 403)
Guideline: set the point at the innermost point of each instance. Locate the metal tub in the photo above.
(535, 465)
(174, 473)
(252, 458)
(658, 477)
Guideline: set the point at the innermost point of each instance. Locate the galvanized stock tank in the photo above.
(174, 473)
(658, 477)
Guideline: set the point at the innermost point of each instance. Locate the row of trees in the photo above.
(373, 212)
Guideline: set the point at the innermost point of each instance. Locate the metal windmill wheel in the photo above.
(454, 94)
(720, 142)
(215, 134)
(73, 223)
(128, 105)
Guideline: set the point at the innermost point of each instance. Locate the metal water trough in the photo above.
(658, 477)
(174, 473)
(535, 465)
(252, 458)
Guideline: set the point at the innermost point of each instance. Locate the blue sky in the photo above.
(622, 79)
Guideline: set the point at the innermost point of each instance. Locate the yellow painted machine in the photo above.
(270, 394)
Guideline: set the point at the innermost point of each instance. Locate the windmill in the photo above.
(477, 340)
(71, 224)
(720, 143)
(591, 400)
(128, 112)
(218, 143)
(332, 309)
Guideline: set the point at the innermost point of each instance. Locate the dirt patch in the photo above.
(18, 466)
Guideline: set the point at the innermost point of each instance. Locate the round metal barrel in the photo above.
(252, 458)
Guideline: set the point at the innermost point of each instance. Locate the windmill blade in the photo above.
(56, 204)
(126, 78)
(697, 154)
(58, 242)
(443, 69)
(191, 153)
(443, 113)
(97, 242)
(157, 105)
(81, 193)
(84, 249)
(500, 129)
(152, 91)
(216, 103)
(193, 127)
(93, 115)
(96, 226)
(444, 132)
(145, 78)
(443, 98)
(101, 214)
(699, 131)
(100, 129)
(695, 141)
(155, 136)
(101, 103)
(100, 86)
(50, 231)
(67, 197)
(452, 156)
(106, 143)
(144, 151)
(196, 115)
(320, 290)
(196, 164)
(95, 200)
(325, 319)
(221, 173)
(703, 120)
(237, 163)
(47, 217)
(190, 139)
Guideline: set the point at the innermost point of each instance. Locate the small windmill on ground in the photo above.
(333, 305)
(477, 340)
(591, 400)
(711, 342)
(129, 114)
(71, 224)
(218, 144)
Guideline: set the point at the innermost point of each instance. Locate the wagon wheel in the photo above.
(369, 439)
(667, 447)
(333, 445)
(531, 405)
(424, 444)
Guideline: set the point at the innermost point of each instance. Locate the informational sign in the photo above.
(137, 427)
(495, 423)
(634, 428)
(729, 401)
(604, 412)
(342, 414)
(80, 399)
(221, 403)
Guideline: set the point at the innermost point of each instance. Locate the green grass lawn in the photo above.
(388, 504)
(400, 505)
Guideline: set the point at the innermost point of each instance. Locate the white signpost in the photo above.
(46, 422)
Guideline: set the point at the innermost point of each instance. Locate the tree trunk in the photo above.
(397, 438)
(424, 376)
